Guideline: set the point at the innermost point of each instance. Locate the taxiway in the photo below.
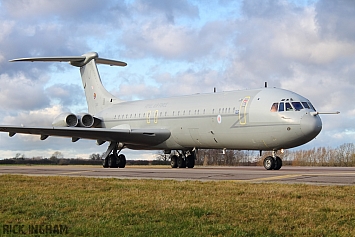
(288, 174)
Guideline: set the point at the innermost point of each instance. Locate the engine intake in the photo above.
(65, 120)
(80, 120)
(85, 120)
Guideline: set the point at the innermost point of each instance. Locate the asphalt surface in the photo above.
(287, 174)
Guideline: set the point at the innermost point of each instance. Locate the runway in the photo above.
(288, 174)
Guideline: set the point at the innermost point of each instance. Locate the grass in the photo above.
(121, 207)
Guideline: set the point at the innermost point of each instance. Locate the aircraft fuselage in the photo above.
(228, 120)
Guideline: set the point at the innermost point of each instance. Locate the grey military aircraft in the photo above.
(266, 119)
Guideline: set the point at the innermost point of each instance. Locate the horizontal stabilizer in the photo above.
(78, 61)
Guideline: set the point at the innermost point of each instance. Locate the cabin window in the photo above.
(274, 107)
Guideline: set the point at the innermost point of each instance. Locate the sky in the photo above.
(172, 48)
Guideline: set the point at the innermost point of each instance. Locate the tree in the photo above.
(162, 156)
(94, 156)
(57, 155)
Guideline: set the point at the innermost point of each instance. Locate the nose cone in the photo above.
(311, 126)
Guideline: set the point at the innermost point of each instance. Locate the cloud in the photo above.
(177, 48)
(333, 19)
(38, 118)
(169, 9)
(67, 94)
(20, 93)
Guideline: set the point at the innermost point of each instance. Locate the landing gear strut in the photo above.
(111, 159)
(183, 159)
(272, 162)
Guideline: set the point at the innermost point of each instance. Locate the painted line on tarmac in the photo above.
(74, 172)
(275, 177)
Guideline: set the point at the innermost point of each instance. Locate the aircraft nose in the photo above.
(311, 125)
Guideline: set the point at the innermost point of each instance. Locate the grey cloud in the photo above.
(176, 42)
(170, 9)
(264, 9)
(65, 10)
(21, 93)
(335, 19)
(67, 94)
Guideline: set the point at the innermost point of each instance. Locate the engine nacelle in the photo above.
(65, 120)
(85, 120)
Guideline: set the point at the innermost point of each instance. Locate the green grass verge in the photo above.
(121, 207)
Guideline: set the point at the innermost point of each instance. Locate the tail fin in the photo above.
(97, 97)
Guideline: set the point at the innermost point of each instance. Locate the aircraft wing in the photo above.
(138, 136)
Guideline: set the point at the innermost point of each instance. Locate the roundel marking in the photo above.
(219, 118)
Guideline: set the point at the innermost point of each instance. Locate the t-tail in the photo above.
(97, 97)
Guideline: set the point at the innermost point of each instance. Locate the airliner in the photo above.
(265, 119)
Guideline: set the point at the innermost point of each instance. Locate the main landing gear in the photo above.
(183, 159)
(272, 162)
(112, 159)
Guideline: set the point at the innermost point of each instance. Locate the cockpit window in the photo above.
(297, 105)
(274, 107)
(288, 107)
(281, 107)
(305, 104)
(312, 106)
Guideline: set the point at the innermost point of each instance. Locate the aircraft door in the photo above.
(243, 110)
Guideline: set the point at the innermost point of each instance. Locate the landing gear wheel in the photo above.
(269, 163)
(112, 161)
(121, 161)
(190, 161)
(278, 163)
(181, 163)
(105, 163)
(173, 162)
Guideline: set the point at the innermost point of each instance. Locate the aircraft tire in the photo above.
(121, 161)
(269, 163)
(190, 161)
(112, 161)
(278, 163)
(105, 163)
(173, 161)
(181, 162)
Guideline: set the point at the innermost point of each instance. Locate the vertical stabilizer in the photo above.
(97, 97)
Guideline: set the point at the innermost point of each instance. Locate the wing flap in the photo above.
(127, 136)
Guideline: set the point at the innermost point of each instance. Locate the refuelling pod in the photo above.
(85, 120)
(65, 120)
